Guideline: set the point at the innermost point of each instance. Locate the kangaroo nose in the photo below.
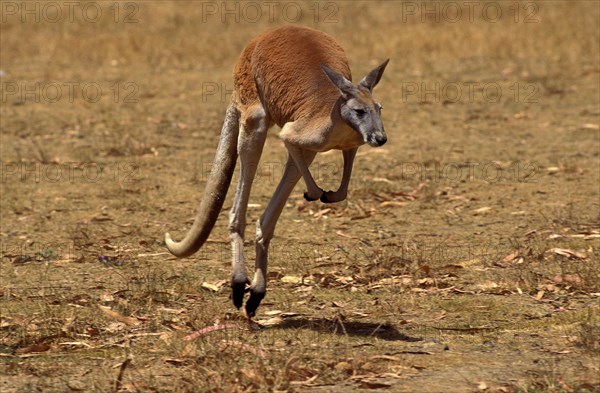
(381, 140)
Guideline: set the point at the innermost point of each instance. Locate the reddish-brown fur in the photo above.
(299, 79)
(285, 63)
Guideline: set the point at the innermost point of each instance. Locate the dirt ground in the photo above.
(465, 259)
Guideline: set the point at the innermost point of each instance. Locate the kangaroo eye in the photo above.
(360, 112)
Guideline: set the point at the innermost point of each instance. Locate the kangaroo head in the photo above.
(358, 107)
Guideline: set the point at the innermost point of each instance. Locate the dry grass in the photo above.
(421, 280)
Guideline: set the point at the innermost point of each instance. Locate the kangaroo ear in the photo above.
(345, 87)
(372, 78)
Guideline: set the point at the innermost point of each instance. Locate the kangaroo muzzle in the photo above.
(377, 139)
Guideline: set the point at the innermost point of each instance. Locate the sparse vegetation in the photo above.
(465, 259)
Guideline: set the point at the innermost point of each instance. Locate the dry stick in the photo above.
(338, 319)
(119, 380)
(376, 329)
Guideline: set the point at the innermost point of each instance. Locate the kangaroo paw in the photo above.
(238, 289)
(308, 198)
(253, 302)
(324, 197)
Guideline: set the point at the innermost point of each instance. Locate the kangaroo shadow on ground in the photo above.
(384, 331)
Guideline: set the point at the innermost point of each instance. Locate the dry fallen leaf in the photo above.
(540, 295)
(519, 213)
(101, 217)
(189, 350)
(175, 361)
(488, 285)
(385, 357)
(34, 348)
(340, 233)
(512, 256)
(291, 279)
(322, 213)
(344, 367)
(382, 180)
(290, 314)
(107, 297)
(173, 310)
(210, 287)
(308, 382)
(567, 253)
(243, 346)
(392, 204)
(76, 344)
(272, 321)
(77, 386)
(256, 378)
(374, 384)
(482, 210)
(129, 321)
(567, 278)
(521, 115)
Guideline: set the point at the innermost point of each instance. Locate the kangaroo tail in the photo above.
(215, 191)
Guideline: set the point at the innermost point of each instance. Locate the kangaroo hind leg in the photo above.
(265, 229)
(253, 132)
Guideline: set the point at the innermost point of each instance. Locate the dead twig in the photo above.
(119, 381)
